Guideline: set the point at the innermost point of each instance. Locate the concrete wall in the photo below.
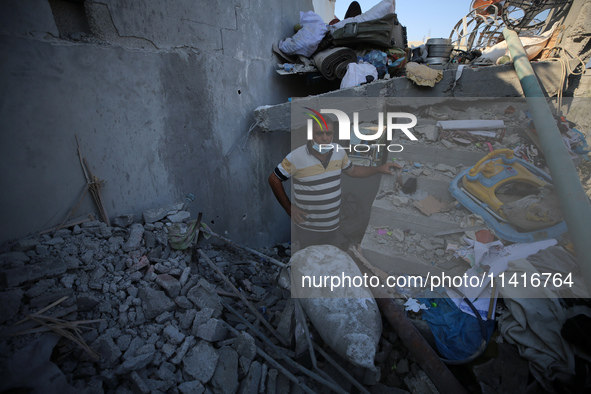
(159, 93)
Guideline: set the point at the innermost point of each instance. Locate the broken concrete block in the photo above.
(173, 335)
(32, 272)
(179, 217)
(212, 331)
(201, 361)
(252, 381)
(204, 295)
(345, 314)
(182, 351)
(124, 221)
(225, 377)
(245, 345)
(154, 215)
(154, 302)
(135, 238)
(109, 352)
(194, 387)
(135, 363)
(171, 285)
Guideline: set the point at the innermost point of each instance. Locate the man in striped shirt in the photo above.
(316, 175)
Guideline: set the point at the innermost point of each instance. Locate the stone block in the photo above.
(173, 335)
(204, 296)
(154, 302)
(201, 361)
(134, 241)
(124, 221)
(32, 272)
(193, 387)
(171, 285)
(225, 377)
(212, 331)
(154, 215)
(251, 383)
(10, 303)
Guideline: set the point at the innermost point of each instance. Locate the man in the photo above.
(316, 173)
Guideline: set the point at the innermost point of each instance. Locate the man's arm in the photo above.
(279, 192)
(293, 211)
(364, 172)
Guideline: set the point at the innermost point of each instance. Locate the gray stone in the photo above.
(446, 168)
(135, 363)
(154, 215)
(123, 342)
(154, 302)
(212, 331)
(87, 257)
(251, 383)
(171, 285)
(135, 238)
(15, 257)
(185, 276)
(204, 295)
(173, 335)
(245, 345)
(51, 296)
(179, 217)
(184, 302)
(164, 317)
(398, 235)
(272, 381)
(86, 302)
(225, 377)
(186, 319)
(32, 272)
(68, 280)
(139, 385)
(25, 244)
(42, 250)
(182, 351)
(109, 352)
(193, 387)
(402, 367)
(286, 322)
(168, 350)
(124, 221)
(55, 241)
(148, 348)
(201, 361)
(429, 131)
(135, 344)
(201, 317)
(10, 303)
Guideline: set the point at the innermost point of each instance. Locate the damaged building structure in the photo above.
(124, 121)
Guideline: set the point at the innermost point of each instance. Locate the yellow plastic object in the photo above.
(490, 173)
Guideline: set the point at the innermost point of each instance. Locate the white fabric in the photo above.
(356, 74)
(306, 40)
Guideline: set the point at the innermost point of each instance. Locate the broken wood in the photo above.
(59, 326)
(281, 352)
(248, 304)
(263, 256)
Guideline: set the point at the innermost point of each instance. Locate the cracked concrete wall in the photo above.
(161, 96)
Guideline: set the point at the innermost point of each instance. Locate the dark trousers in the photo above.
(307, 238)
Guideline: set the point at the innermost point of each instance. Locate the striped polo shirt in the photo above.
(316, 185)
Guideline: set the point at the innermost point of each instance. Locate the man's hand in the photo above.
(297, 215)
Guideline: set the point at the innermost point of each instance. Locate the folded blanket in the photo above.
(333, 62)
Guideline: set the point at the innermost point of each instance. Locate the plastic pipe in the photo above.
(573, 200)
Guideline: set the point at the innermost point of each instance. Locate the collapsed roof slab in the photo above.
(492, 81)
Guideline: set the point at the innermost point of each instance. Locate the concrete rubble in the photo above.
(161, 326)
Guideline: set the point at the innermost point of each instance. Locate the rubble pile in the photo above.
(156, 316)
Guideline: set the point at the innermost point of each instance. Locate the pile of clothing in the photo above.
(359, 49)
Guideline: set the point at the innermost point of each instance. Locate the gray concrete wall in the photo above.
(159, 95)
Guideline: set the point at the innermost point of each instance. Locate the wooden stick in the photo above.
(243, 298)
(39, 312)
